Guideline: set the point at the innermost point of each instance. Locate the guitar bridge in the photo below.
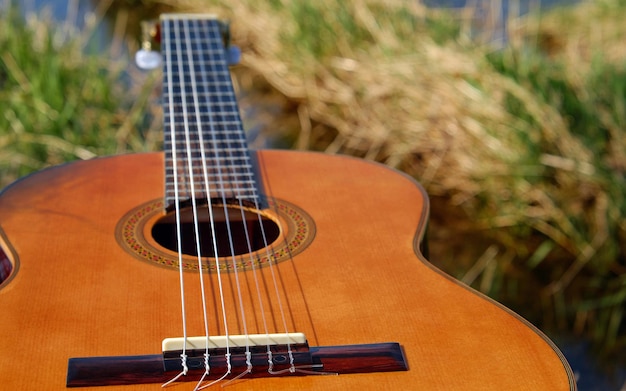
(239, 352)
(161, 368)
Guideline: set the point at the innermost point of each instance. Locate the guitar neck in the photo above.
(206, 152)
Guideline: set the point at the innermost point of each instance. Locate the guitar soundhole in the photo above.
(6, 267)
(235, 232)
(150, 235)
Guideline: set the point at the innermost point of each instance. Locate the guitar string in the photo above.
(228, 84)
(211, 128)
(220, 70)
(170, 87)
(196, 104)
(230, 151)
(222, 189)
(233, 144)
(230, 168)
(268, 249)
(220, 172)
(269, 252)
(193, 192)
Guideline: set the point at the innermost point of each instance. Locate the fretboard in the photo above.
(206, 153)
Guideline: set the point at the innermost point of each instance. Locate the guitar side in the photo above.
(362, 279)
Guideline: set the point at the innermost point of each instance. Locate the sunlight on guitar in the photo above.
(216, 265)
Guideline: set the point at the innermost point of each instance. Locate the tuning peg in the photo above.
(234, 55)
(146, 58)
(232, 52)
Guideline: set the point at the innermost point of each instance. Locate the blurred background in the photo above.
(512, 114)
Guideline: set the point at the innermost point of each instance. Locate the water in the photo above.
(590, 375)
(490, 17)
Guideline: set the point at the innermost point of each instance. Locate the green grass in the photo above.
(58, 102)
(588, 276)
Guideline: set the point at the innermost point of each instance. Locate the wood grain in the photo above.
(362, 280)
(326, 360)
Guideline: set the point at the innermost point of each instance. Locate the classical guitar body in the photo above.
(260, 270)
(77, 292)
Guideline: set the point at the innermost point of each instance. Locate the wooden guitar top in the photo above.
(358, 277)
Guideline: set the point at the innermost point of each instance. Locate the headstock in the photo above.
(148, 58)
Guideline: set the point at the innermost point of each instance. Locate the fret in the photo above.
(178, 106)
(216, 178)
(227, 188)
(206, 102)
(215, 192)
(217, 186)
(195, 154)
(228, 124)
(226, 146)
(230, 107)
(223, 192)
(246, 196)
(228, 127)
(201, 116)
(218, 189)
(214, 89)
(219, 183)
(227, 161)
(212, 171)
(214, 149)
(230, 145)
(180, 93)
(229, 131)
(200, 109)
(220, 81)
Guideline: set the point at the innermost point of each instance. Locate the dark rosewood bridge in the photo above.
(286, 359)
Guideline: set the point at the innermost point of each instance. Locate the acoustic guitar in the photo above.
(213, 265)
